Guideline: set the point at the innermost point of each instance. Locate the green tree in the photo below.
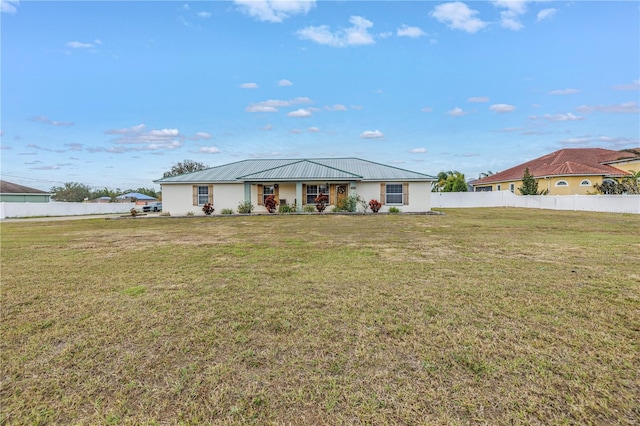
(627, 185)
(529, 184)
(186, 166)
(71, 192)
(451, 181)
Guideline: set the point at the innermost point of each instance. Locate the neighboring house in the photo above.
(295, 182)
(101, 200)
(14, 193)
(135, 197)
(566, 172)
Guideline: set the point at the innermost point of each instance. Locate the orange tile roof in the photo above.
(564, 162)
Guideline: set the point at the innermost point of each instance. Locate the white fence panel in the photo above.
(596, 203)
(10, 210)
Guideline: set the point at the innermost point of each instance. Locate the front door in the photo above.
(341, 191)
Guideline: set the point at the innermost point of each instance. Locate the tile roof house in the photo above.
(566, 171)
(13, 193)
(295, 182)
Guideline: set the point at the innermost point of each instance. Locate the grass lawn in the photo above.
(479, 316)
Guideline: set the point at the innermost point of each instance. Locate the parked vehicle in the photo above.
(152, 207)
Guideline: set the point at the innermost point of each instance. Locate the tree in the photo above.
(186, 166)
(627, 185)
(529, 184)
(451, 181)
(71, 192)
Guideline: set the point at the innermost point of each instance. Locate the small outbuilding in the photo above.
(13, 193)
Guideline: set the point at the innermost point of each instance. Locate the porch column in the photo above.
(298, 196)
(247, 191)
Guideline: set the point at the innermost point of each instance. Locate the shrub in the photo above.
(270, 203)
(133, 212)
(394, 210)
(226, 211)
(208, 209)
(375, 206)
(286, 208)
(190, 213)
(245, 207)
(308, 208)
(348, 204)
(321, 202)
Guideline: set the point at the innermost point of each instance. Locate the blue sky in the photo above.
(113, 94)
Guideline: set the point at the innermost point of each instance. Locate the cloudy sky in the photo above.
(113, 94)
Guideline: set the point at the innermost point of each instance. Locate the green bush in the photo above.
(394, 210)
(348, 204)
(286, 208)
(226, 211)
(245, 207)
(309, 208)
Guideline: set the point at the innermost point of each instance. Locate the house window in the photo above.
(585, 182)
(512, 187)
(203, 195)
(266, 191)
(498, 187)
(314, 190)
(393, 194)
(562, 183)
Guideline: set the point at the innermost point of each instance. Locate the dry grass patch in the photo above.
(495, 316)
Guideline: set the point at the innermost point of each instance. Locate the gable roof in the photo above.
(329, 169)
(566, 162)
(14, 188)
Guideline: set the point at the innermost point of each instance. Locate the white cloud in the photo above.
(502, 108)
(635, 85)
(558, 117)
(625, 107)
(136, 139)
(209, 149)
(274, 10)
(272, 105)
(336, 107)
(407, 31)
(458, 16)
(510, 18)
(80, 45)
(46, 120)
(427, 109)
(545, 14)
(285, 82)
(300, 113)
(356, 35)
(9, 6)
(204, 14)
(371, 134)
(478, 99)
(418, 150)
(268, 127)
(313, 129)
(201, 136)
(564, 92)
(248, 86)
(457, 112)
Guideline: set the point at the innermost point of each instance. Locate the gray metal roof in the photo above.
(272, 170)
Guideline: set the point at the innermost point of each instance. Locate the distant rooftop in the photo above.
(14, 188)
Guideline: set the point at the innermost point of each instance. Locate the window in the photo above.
(314, 190)
(562, 183)
(203, 195)
(512, 187)
(585, 182)
(266, 191)
(498, 187)
(393, 193)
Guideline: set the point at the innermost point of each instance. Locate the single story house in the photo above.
(13, 193)
(135, 197)
(568, 171)
(295, 182)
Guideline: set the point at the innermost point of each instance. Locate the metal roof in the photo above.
(271, 170)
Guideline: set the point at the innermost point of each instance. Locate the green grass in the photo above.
(479, 316)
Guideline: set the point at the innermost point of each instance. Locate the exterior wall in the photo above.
(628, 166)
(25, 198)
(573, 187)
(419, 195)
(177, 199)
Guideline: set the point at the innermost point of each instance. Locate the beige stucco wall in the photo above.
(573, 187)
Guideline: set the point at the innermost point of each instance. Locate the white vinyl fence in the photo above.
(594, 203)
(11, 210)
